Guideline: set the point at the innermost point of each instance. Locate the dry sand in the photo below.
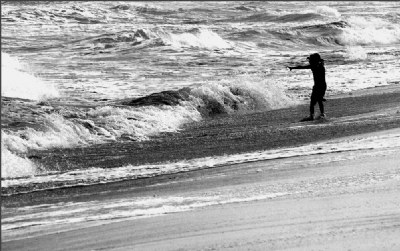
(350, 202)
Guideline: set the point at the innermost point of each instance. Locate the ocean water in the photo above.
(86, 73)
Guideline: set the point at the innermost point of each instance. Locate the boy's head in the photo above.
(314, 58)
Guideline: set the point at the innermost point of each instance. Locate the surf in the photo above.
(140, 119)
(19, 82)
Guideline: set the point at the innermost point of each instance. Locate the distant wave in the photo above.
(327, 11)
(149, 38)
(297, 17)
(122, 40)
(247, 35)
(75, 13)
(368, 31)
(121, 7)
(349, 32)
(198, 38)
(310, 15)
(154, 10)
(323, 26)
(272, 17)
(134, 37)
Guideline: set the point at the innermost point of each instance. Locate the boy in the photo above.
(317, 96)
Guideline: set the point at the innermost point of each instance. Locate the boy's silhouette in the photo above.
(317, 96)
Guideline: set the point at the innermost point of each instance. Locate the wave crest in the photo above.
(328, 11)
(200, 38)
(363, 31)
(14, 166)
(242, 94)
(144, 38)
(354, 31)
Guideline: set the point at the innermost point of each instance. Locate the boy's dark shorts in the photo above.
(318, 94)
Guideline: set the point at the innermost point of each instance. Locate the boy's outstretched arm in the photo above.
(300, 67)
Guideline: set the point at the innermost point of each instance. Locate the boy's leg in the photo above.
(311, 117)
(321, 106)
(313, 102)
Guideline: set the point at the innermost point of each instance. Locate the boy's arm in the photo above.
(300, 67)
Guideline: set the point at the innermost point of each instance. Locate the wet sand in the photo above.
(345, 204)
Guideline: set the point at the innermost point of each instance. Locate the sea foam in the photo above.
(241, 94)
(201, 38)
(98, 125)
(356, 53)
(18, 82)
(13, 166)
(369, 31)
(328, 11)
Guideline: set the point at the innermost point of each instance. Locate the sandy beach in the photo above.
(342, 200)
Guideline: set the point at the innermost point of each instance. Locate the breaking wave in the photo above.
(273, 17)
(85, 127)
(145, 38)
(200, 38)
(353, 31)
(368, 31)
(138, 119)
(18, 82)
(242, 94)
(327, 11)
(316, 13)
(13, 166)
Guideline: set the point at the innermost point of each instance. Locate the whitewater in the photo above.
(77, 75)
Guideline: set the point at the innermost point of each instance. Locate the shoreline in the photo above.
(338, 203)
(372, 110)
(375, 109)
